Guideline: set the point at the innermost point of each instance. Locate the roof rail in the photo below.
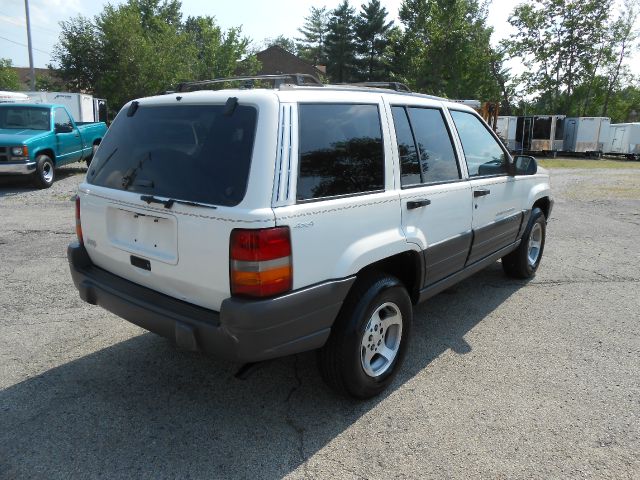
(397, 86)
(299, 79)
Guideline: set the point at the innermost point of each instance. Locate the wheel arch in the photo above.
(48, 152)
(407, 266)
(544, 204)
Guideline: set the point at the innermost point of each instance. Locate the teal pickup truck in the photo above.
(35, 139)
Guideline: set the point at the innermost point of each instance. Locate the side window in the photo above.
(409, 161)
(483, 152)
(437, 158)
(341, 150)
(61, 118)
(433, 160)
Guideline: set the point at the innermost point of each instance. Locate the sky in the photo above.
(260, 19)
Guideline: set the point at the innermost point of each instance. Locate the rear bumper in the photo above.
(17, 168)
(244, 330)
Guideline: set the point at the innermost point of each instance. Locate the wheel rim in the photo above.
(47, 172)
(535, 244)
(381, 339)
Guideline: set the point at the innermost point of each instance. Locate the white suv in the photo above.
(257, 223)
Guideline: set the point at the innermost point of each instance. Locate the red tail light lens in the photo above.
(78, 223)
(260, 262)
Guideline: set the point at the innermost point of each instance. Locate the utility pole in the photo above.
(33, 73)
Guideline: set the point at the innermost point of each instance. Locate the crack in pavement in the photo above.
(289, 420)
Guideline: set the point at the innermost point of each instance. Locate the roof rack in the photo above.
(299, 79)
(397, 86)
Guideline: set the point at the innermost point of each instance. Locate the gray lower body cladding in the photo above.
(244, 330)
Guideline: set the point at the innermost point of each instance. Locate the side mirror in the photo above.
(525, 165)
(65, 128)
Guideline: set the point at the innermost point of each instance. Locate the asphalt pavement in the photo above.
(503, 378)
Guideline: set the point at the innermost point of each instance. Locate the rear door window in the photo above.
(424, 146)
(187, 152)
(341, 150)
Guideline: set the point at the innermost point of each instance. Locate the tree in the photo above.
(445, 49)
(48, 83)
(78, 54)
(283, 42)
(216, 53)
(563, 43)
(340, 45)
(143, 47)
(372, 37)
(623, 40)
(9, 79)
(312, 45)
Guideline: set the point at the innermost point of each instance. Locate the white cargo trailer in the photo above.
(587, 135)
(624, 139)
(83, 107)
(13, 97)
(506, 130)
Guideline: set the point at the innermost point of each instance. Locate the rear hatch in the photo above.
(172, 178)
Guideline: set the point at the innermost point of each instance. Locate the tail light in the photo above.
(78, 223)
(260, 262)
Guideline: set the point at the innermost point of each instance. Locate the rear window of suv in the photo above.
(187, 152)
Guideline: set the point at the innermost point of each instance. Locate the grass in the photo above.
(584, 163)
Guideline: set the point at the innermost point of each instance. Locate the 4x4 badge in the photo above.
(304, 225)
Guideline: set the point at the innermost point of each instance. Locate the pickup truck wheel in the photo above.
(369, 338)
(45, 172)
(524, 261)
(93, 154)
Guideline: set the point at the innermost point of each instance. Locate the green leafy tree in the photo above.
(9, 79)
(341, 47)
(372, 38)
(143, 47)
(78, 54)
(564, 42)
(623, 40)
(216, 53)
(284, 42)
(445, 49)
(312, 44)
(48, 83)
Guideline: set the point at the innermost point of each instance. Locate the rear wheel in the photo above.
(45, 172)
(93, 154)
(524, 261)
(369, 338)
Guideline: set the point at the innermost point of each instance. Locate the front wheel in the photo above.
(45, 172)
(525, 260)
(369, 338)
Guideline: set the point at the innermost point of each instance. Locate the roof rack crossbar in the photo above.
(299, 79)
(397, 86)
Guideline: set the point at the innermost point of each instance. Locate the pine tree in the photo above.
(341, 48)
(372, 37)
(312, 45)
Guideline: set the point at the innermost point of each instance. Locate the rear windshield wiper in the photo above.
(169, 202)
(93, 172)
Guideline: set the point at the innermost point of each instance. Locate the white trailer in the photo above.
(83, 107)
(624, 139)
(587, 135)
(506, 130)
(14, 97)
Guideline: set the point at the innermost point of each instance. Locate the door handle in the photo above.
(481, 192)
(418, 203)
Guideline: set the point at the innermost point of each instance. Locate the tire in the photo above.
(375, 302)
(525, 260)
(93, 154)
(45, 173)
